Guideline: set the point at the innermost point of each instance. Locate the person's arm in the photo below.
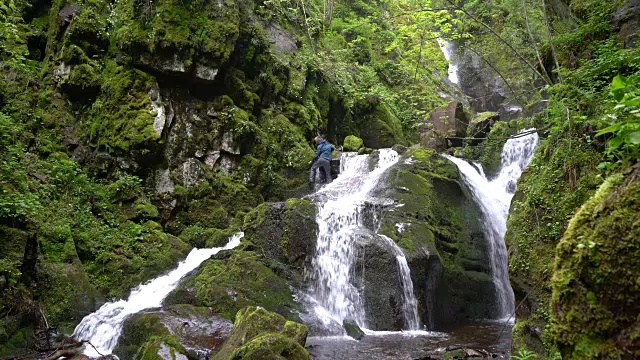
(317, 155)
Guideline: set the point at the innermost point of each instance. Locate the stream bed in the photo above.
(492, 336)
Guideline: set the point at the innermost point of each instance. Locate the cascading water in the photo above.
(409, 302)
(103, 327)
(494, 199)
(447, 50)
(341, 207)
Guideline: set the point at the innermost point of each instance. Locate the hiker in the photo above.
(321, 160)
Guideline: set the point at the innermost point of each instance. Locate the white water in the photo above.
(446, 47)
(103, 327)
(340, 215)
(494, 199)
(409, 302)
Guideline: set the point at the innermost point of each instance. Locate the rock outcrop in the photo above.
(596, 293)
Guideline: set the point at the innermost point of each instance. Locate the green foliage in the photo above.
(525, 354)
(624, 145)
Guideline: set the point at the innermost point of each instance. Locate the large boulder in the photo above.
(377, 268)
(232, 280)
(199, 331)
(380, 128)
(439, 228)
(260, 334)
(596, 292)
(285, 231)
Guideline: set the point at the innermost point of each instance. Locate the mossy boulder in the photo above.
(260, 334)
(232, 280)
(352, 143)
(353, 329)
(285, 231)
(439, 227)
(596, 291)
(198, 331)
(380, 128)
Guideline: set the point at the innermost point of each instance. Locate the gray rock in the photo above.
(627, 20)
(206, 73)
(377, 269)
(66, 14)
(165, 353)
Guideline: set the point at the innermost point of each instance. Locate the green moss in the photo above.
(352, 143)
(242, 279)
(121, 119)
(271, 346)
(595, 288)
(258, 333)
(381, 128)
(559, 179)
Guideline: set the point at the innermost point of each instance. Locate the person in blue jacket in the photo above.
(321, 160)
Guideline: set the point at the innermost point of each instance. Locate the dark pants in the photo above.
(325, 166)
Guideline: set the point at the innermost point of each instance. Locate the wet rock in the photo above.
(285, 231)
(260, 334)
(66, 14)
(203, 72)
(510, 112)
(198, 330)
(380, 128)
(164, 64)
(481, 124)
(377, 267)
(441, 236)
(283, 40)
(353, 329)
(445, 124)
(627, 19)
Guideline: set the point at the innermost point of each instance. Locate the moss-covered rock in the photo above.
(596, 291)
(352, 143)
(559, 179)
(380, 128)
(198, 331)
(439, 228)
(258, 332)
(233, 280)
(353, 330)
(285, 231)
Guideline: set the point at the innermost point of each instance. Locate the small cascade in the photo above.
(341, 213)
(494, 199)
(447, 50)
(103, 327)
(409, 302)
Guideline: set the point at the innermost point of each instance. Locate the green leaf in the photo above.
(610, 129)
(634, 138)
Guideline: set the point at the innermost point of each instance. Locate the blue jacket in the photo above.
(324, 151)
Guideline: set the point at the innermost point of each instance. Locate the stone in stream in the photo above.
(261, 334)
(353, 329)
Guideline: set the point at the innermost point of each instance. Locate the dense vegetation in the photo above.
(131, 131)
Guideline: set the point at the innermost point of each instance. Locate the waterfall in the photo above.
(409, 302)
(341, 212)
(446, 47)
(103, 327)
(494, 199)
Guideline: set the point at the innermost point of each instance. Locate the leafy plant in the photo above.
(524, 354)
(624, 123)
